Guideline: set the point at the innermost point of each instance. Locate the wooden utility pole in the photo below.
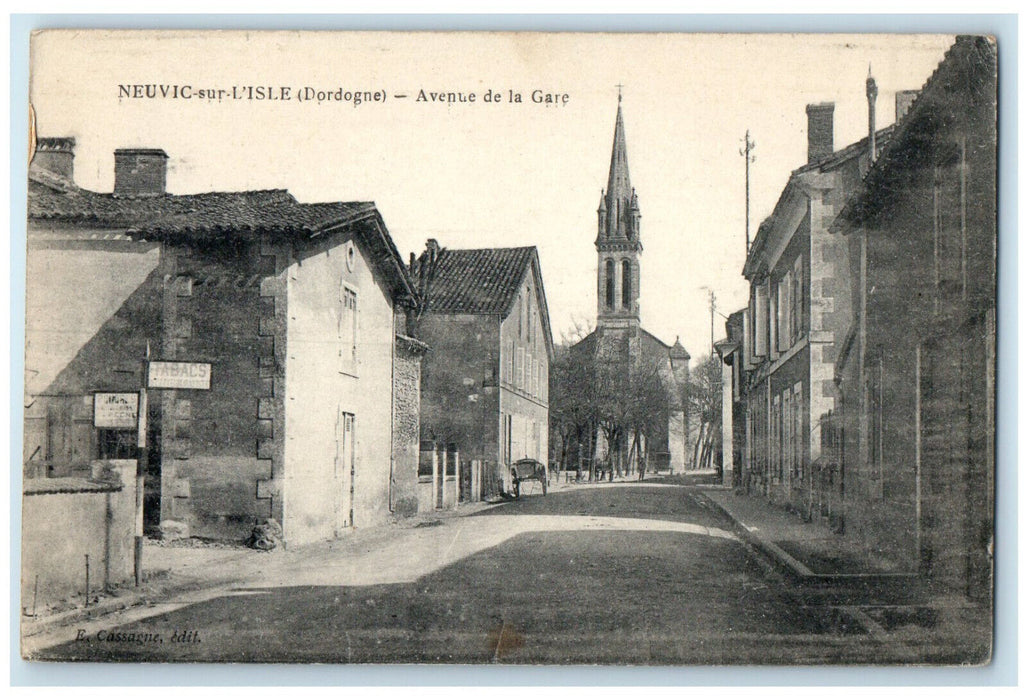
(142, 466)
(713, 308)
(747, 152)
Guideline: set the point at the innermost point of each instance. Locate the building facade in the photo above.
(733, 403)
(293, 306)
(798, 313)
(485, 379)
(916, 373)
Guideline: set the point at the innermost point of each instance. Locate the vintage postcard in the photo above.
(520, 348)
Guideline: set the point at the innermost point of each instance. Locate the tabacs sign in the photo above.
(115, 410)
(179, 375)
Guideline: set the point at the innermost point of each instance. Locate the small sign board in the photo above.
(115, 410)
(179, 375)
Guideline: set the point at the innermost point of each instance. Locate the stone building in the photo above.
(311, 415)
(916, 368)
(798, 314)
(733, 404)
(619, 343)
(485, 379)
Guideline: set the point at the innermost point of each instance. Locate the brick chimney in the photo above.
(905, 98)
(140, 172)
(820, 131)
(56, 156)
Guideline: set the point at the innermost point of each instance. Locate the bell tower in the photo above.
(617, 241)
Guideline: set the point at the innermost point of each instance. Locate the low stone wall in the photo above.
(64, 520)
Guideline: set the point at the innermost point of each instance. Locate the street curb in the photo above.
(798, 571)
(32, 628)
(157, 593)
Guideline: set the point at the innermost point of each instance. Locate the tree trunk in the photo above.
(592, 452)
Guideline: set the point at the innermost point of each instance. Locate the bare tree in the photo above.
(571, 408)
(422, 271)
(703, 400)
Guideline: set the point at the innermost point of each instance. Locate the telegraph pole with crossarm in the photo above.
(747, 152)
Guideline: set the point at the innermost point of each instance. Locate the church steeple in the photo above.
(621, 202)
(617, 239)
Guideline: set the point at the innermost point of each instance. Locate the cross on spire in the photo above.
(619, 86)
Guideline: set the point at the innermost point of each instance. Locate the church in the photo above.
(622, 353)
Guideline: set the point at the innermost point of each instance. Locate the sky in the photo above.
(491, 174)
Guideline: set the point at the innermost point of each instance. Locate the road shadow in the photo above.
(543, 597)
(623, 499)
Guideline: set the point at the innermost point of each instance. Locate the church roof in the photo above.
(618, 343)
(678, 351)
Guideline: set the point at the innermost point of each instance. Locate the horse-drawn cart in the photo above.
(527, 470)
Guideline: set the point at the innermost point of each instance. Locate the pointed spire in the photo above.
(619, 185)
(603, 201)
(678, 352)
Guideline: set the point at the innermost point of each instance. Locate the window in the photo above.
(425, 456)
(796, 301)
(787, 434)
(785, 312)
(529, 314)
(521, 317)
(347, 330)
(345, 444)
(761, 315)
(626, 284)
(797, 430)
(116, 444)
(520, 369)
(610, 284)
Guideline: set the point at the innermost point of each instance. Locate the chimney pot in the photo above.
(140, 172)
(56, 156)
(820, 131)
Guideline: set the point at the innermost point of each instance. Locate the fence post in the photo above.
(456, 477)
(435, 476)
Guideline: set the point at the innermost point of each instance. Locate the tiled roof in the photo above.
(478, 281)
(208, 216)
(189, 215)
